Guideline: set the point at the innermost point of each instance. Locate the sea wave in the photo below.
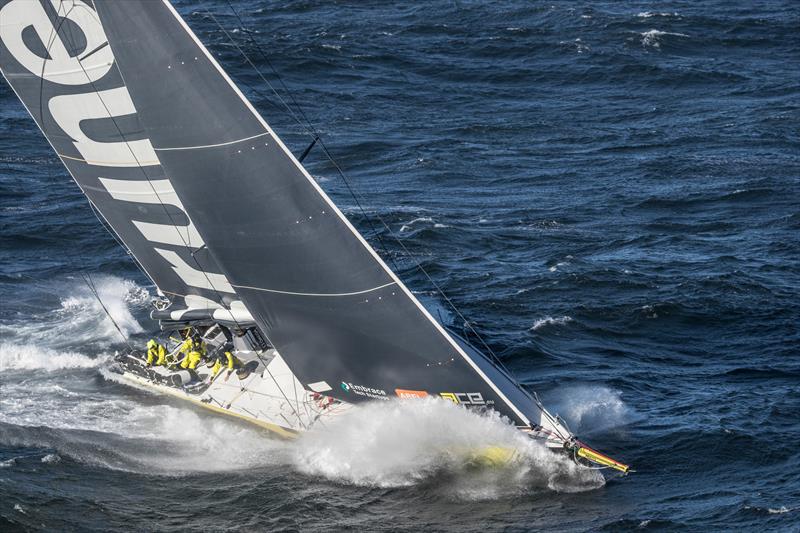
(654, 38)
(32, 357)
(550, 321)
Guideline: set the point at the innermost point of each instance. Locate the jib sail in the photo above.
(342, 320)
(55, 56)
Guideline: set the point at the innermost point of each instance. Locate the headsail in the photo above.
(55, 55)
(342, 320)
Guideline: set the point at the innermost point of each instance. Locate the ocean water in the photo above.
(609, 192)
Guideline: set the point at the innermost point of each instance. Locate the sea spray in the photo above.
(590, 407)
(402, 443)
(33, 357)
(77, 318)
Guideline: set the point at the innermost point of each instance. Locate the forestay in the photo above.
(55, 55)
(341, 319)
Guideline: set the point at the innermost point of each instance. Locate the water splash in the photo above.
(402, 443)
(80, 319)
(591, 408)
(32, 357)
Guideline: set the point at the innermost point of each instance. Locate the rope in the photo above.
(89, 283)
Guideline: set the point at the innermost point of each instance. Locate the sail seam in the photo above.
(209, 145)
(344, 219)
(330, 294)
(106, 163)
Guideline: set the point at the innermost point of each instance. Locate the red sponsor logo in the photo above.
(403, 393)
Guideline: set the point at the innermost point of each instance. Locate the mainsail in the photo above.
(342, 320)
(55, 56)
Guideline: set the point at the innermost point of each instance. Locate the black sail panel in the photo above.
(343, 322)
(55, 56)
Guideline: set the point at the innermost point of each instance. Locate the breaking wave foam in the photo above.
(653, 38)
(401, 443)
(550, 321)
(79, 318)
(31, 357)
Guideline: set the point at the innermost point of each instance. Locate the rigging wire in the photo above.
(87, 279)
(355, 195)
(158, 197)
(306, 124)
(139, 165)
(310, 128)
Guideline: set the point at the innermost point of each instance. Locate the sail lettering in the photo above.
(70, 110)
(155, 192)
(66, 45)
(58, 65)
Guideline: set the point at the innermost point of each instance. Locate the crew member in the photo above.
(233, 361)
(156, 353)
(162, 355)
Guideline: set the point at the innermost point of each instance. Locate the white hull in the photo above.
(269, 397)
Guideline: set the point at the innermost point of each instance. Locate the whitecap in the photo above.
(550, 321)
(32, 357)
(51, 458)
(408, 225)
(653, 38)
(650, 14)
(782, 509)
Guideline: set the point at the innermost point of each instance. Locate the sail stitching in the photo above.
(210, 145)
(103, 163)
(329, 294)
(140, 164)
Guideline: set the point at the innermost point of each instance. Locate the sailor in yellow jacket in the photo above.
(196, 350)
(192, 359)
(156, 353)
(229, 360)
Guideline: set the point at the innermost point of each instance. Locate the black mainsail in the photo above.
(55, 56)
(343, 321)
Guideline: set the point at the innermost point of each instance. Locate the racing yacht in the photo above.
(243, 245)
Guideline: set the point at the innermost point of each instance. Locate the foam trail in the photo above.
(401, 443)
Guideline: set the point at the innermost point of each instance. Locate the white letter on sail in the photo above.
(70, 109)
(155, 192)
(60, 67)
(194, 277)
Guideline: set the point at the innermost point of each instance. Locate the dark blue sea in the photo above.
(609, 192)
